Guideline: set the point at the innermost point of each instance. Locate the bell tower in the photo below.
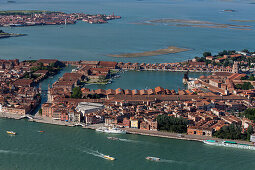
(235, 68)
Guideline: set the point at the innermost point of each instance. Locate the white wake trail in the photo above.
(95, 153)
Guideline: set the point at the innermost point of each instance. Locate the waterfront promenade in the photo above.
(163, 134)
(170, 135)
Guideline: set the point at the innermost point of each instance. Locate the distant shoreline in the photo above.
(8, 35)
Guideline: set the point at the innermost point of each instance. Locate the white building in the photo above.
(243, 53)
(86, 107)
(252, 138)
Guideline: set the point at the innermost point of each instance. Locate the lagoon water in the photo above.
(84, 41)
(146, 80)
(77, 148)
(68, 148)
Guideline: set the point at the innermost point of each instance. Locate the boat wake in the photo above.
(7, 151)
(171, 161)
(95, 153)
(129, 140)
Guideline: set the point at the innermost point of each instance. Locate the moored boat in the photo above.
(229, 144)
(150, 158)
(101, 129)
(111, 130)
(109, 157)
(115, 130)
(11, 132)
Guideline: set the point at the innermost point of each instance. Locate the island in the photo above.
(220, 105)
(193, 23)
(7, 35)
(14, 18)
(169, 50)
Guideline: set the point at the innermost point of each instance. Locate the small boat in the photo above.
(41, 131)
(11, 132)
(109, 157)
(152, 158)
(112, 138)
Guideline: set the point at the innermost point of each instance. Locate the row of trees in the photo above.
(77, 94)
(172, 124)
(234, 131)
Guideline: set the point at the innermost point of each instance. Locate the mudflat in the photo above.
(196, 23)
(239, 20)
(169, 50)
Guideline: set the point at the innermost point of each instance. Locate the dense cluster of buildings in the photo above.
(212, 64)
(19, 91)
(209, 103)
(223, 84)
(51, 18)
(17, 94)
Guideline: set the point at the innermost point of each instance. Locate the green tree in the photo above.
(247, 86)
(232, 131)
(40, 111)
(225, 52)
(76, 93)
(246, 51)
(249, 113)
(244, 86)
(252, 78)
(205, 54)
(172, 124)
(226, 63)
(249, 132)
(245, 78)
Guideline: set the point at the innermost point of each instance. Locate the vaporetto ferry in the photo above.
(229, 144)
(111, 130)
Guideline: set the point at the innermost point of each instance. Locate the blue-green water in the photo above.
(84, 41)
(76, 148)
(146, 80)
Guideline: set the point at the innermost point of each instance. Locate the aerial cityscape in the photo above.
(139, 84)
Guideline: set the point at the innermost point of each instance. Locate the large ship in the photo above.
(229, 144)
(110, 130)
